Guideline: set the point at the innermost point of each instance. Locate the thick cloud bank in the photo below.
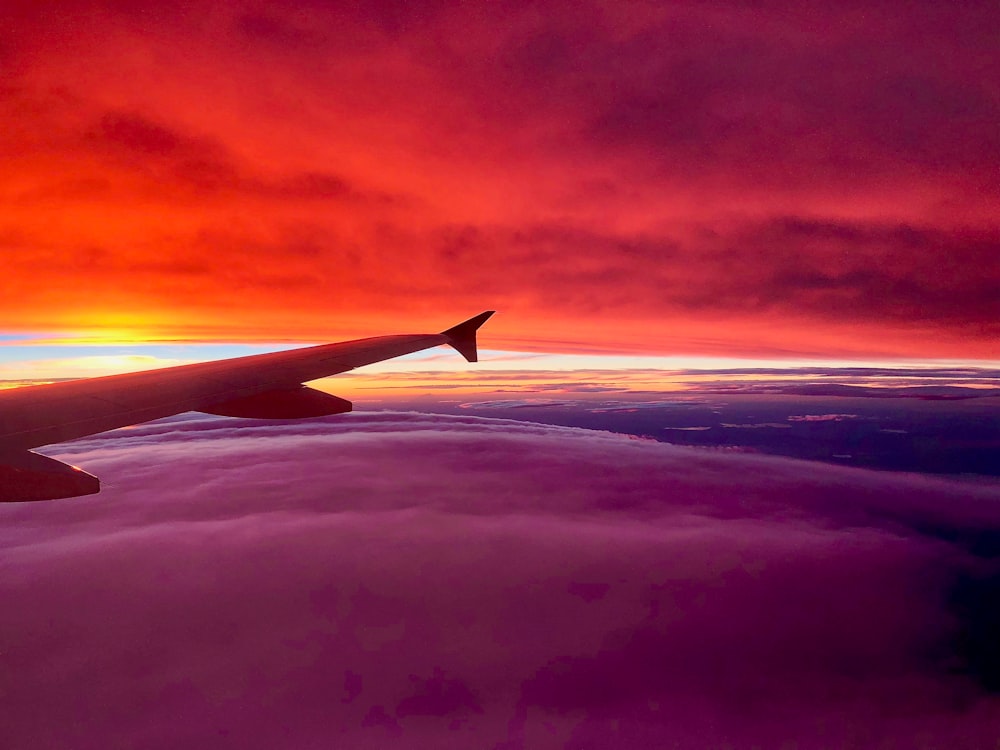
(403, 580)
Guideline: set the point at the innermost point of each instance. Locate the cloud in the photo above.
(725, 93)
(687, 177)
(203, 167)
(821, 417)
(421, 580)
(927, 392)
(672, 384)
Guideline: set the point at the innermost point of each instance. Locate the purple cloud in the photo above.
(416, 580)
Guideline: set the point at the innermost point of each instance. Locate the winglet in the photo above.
(463, 336)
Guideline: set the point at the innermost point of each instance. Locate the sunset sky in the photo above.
(686, 178)
(727, 473)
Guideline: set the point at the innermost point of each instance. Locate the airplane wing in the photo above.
(268, 386)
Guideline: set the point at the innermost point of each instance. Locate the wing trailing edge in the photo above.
(26, 476)
(462, 338)
(300, 402)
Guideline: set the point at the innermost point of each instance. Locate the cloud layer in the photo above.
(691, 177)
(422, 581)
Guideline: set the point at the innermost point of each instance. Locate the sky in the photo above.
(727, 473)
(686, 178)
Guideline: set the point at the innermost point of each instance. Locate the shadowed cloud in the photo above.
(426, 580)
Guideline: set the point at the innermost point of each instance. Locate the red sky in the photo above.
(670, 178)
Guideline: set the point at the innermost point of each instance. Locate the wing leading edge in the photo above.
(260, 386)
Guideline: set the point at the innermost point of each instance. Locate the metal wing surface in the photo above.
(260, 386)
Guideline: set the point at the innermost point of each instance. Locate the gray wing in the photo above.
(260, 386)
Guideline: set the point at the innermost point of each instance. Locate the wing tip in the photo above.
(462, 337)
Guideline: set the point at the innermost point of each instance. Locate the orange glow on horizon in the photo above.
(264, 174)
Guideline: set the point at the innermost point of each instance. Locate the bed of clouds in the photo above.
(406, 580)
